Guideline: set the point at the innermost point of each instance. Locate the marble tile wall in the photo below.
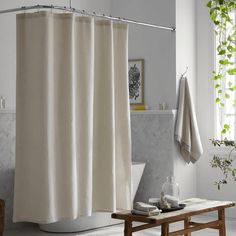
(152, 143)
(7, 162)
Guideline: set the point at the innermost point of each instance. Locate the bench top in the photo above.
(194, 206)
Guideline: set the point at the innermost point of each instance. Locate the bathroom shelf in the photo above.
(7, 111)
(157, 112)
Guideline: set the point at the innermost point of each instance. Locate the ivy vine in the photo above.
(222, 15)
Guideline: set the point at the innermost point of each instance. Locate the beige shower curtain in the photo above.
(73, 154)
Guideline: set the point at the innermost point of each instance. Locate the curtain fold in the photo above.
(73, 144)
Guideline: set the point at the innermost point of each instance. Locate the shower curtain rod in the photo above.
(83, 12)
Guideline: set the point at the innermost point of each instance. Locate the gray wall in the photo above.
(156, 47)
(186, 41)
(186, 55)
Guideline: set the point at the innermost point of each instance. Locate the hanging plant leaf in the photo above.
(232, 71)
(224, 62)
(226, 126)
(227, 95)
(209, 4)
(222, 52)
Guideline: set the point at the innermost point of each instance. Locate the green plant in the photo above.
(222, 15)
(225, 164)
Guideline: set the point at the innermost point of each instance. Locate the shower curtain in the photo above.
(73, 145)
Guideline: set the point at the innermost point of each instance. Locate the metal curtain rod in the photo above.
(83, 12)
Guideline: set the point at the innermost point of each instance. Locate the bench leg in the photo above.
(165, 229)
(128, 228)
(221, 217)
(186, 225)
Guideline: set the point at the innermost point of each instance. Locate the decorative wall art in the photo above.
(136, 81)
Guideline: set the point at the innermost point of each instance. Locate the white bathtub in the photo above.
(97, 220)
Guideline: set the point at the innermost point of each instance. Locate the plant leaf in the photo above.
(222, 52)
(209, 4)
(232, 71)
(227, 95)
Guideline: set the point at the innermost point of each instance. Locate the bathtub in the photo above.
(98, 219)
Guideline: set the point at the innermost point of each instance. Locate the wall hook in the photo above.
(186, 70)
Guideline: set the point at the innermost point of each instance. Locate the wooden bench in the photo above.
(2, 213)
(194, 207)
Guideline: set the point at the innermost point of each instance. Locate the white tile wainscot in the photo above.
(153, 142)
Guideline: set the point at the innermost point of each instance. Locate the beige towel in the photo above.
(146, 213)
(141, 206)
(186, 130)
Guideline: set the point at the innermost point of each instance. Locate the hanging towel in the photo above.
(186, 130)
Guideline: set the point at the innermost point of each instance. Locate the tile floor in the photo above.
(118, 230)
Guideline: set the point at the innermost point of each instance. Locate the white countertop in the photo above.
(158, 112)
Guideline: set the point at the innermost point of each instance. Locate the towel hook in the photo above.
(186, 70)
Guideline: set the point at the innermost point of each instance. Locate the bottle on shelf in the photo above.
(171, 188)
